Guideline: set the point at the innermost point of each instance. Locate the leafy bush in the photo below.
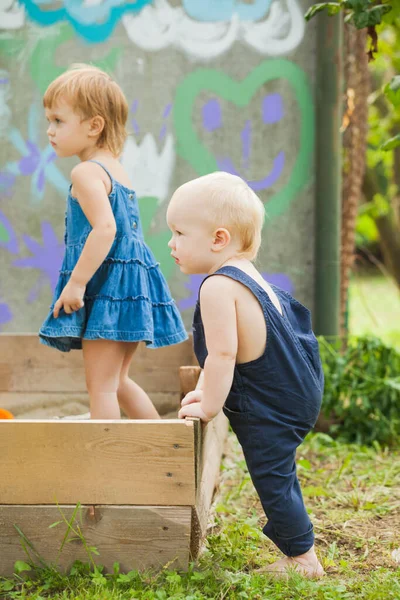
(362, 391)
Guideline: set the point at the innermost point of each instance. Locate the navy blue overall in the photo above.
(273, 403)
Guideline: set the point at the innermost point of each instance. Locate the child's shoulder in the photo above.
(216, 287)
(87, 173)
(86, 169)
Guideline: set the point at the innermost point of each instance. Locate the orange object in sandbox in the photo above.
(5, 414)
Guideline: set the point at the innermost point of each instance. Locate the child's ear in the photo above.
(222, 237)
(96, 126)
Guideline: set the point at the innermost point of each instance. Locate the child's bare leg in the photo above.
(307, 564)
(103, 363)
(131, 397)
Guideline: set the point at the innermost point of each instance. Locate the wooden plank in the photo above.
(212, 443)
(45, 405)
(209, 444)
(138, 537)
(28, 366)
(97, 462)
(189, 378)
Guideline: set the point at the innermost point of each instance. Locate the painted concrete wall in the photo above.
(211, 84)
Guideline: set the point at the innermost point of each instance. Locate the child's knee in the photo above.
(102, 383)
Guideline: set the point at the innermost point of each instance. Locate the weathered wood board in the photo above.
(97, 462)
(36, 381)
(136, 537)
(145, 487)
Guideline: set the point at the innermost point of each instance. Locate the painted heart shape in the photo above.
(240, 93)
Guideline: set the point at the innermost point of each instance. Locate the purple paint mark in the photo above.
(7, 182)
(167, 111)
(135, 126)
(4, 80)
(163, 133)
(5, 313)
(134, 123)
(226, 164)
(272, 108)
(47, 257)
(280, 280)
(246, 144)
(193, 286)
(212, 115)
(34, 292)
(8, 239)
(31, 162)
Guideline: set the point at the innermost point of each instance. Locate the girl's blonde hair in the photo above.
(232, 204)
(91, 92)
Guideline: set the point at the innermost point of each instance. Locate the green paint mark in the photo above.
(158, 242)
(10, 45)
(42, 65)
(4, 234)
(240, 93)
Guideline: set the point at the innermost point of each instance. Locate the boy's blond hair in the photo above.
(232, 204)
(91, 92)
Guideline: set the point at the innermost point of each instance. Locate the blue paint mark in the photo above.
(167, 111)
(212, 115)
(223, 10)
(194, 282)
(84, 18)
(280, 280)
(246, 144)
(226, 164)
(272, 108)
(5, 313)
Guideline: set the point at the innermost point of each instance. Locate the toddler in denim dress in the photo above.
(111, 293)
(259, 354)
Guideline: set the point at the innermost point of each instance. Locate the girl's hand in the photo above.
(71, 298)
(194, 396)
(193, 410)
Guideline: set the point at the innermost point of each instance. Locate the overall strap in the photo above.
(249, 282)
(106, 170)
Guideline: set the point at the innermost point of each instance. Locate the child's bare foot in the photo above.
(306, 564)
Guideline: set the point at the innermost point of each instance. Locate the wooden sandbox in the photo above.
(145, 487)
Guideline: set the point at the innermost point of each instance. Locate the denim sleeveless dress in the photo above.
(273, 403)
(127, 299)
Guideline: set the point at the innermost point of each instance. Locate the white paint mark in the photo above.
(12, 15)
(149, 170)
(160, 25)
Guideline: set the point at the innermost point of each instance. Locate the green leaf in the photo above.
(371, 17)
(391, 143)
(332, 7)
(7, 586)
(20, 566)
(304, 463)
(392, 383)
(55, 524)
(392, 91)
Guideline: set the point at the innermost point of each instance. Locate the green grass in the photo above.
(353, 496)
(374, 307)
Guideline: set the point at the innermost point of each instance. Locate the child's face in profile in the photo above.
(67, 132)
(192, 237)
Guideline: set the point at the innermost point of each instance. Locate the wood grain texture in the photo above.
(97, 462)
(139, 537)
(28, 366)
(212, 440)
